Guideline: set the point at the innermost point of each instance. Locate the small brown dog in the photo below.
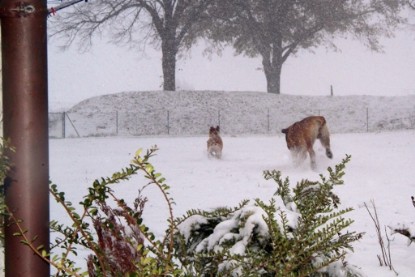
(301, 136)
(214, 143)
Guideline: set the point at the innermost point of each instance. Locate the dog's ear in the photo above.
(217, 128)
(284, 131)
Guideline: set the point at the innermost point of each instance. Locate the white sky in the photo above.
(107, 68)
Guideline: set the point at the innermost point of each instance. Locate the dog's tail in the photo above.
(215, 151)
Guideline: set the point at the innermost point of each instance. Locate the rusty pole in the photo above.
(25, 110)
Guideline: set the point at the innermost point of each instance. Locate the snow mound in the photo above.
(192, 112)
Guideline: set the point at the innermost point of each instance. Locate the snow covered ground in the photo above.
(381, 169)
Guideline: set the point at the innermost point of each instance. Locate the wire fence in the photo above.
(185, 122)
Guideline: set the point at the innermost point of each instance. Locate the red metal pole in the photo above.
(25, 117)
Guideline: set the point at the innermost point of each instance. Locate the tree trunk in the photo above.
(272, 75)
(168, 49)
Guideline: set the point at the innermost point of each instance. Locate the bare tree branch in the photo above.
(276, 29)
(165, 23)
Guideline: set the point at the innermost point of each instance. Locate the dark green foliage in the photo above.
(4, 167)
(4, 160)
(303, 237)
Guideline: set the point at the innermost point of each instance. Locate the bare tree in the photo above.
(277, 29)
(172, 25)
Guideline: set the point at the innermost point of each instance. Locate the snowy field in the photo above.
(381, 169)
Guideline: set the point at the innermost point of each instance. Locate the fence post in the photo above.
(218, 117)
(268, 120)
(25, 123)
(116, 123)
(367, 119)
(137, 122)
(168, 122)
(63, 125)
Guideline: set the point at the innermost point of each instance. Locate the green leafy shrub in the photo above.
(4, 160)
(119, 242)
(298, 233)
(122, 244)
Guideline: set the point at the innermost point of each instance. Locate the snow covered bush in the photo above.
(297, 233)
